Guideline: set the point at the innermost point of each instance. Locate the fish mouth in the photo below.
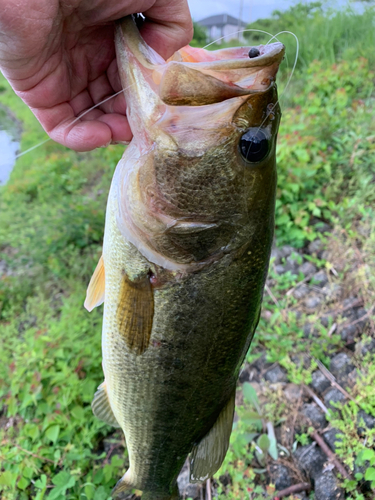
(182, 108)
(194, 76)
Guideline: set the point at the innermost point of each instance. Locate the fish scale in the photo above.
(188, 234)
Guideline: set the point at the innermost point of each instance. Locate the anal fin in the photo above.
(96, 288)
(101, 407)
(208, 455)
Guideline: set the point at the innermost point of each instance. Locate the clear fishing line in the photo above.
(273, 37)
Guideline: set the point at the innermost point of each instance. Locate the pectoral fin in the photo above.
(208, 455)
(135, 313)
(95, 290)
(102, 408)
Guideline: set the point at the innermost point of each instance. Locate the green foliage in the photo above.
(200, 35)
(326, 149)
(325, 34)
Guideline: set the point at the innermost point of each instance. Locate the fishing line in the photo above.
(33, 147)
(289, 79)
(273, 37)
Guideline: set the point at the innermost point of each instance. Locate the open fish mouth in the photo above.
(179, 110)
(195, 76)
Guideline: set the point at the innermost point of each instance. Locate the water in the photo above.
(9, 144)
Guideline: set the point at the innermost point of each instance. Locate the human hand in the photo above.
(59, 56)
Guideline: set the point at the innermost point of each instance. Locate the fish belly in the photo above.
(167, 398)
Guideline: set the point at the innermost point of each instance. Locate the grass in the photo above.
(51, 229)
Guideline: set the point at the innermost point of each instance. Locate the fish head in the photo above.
(199, 175)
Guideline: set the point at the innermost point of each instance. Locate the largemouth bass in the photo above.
(187, 241)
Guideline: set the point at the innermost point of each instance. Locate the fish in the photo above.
(188, 234)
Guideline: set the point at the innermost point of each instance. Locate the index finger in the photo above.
(168, 26)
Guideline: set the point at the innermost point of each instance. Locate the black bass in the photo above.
(188, 234)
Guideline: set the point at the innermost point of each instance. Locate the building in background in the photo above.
(223, 25)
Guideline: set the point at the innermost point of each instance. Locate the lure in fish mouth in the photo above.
(188, 233)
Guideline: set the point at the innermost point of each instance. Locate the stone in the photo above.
(327, 487)
(314, 415)
(332, 291)
(320, 278)
(187, 490)
(261, 363)
(275, 374)
(309, 329)
(332, 437)
(280, 269)
(347, 333)
(315, 246)
(276, 255)
(360, 313)
(301, 360)
(349, 304)
(319, 382)
(341, 365)
(333, 396)
(311, 459)
(301, 291)
(281, 476)
(328, 319)
(367, 419)
(352, 377)
(293, 392)
(323, 227)
(249, 374)
(291, 264)
(313, 302)
(307, 269)
(365, 346)
(287, 250)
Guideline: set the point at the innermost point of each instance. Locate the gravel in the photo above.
(319, 382)
(368, 420)
(315, 247)
(314, 415)
(320, 278)
(327, 487)
(311, 459)
(275, 374)
(313, 302)
(332, 437)
(281, 476)
(341, 365)
(333, 396)
(307, 269)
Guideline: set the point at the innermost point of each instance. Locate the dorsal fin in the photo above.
(96, 288)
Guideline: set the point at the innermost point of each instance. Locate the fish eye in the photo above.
(254, 145)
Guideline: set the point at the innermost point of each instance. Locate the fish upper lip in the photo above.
(269, 54)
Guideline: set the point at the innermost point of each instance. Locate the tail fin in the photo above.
(126, 485)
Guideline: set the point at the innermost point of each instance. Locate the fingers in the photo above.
(96, 129)
(168, 26)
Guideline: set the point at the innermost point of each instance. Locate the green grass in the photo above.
(325, 34)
